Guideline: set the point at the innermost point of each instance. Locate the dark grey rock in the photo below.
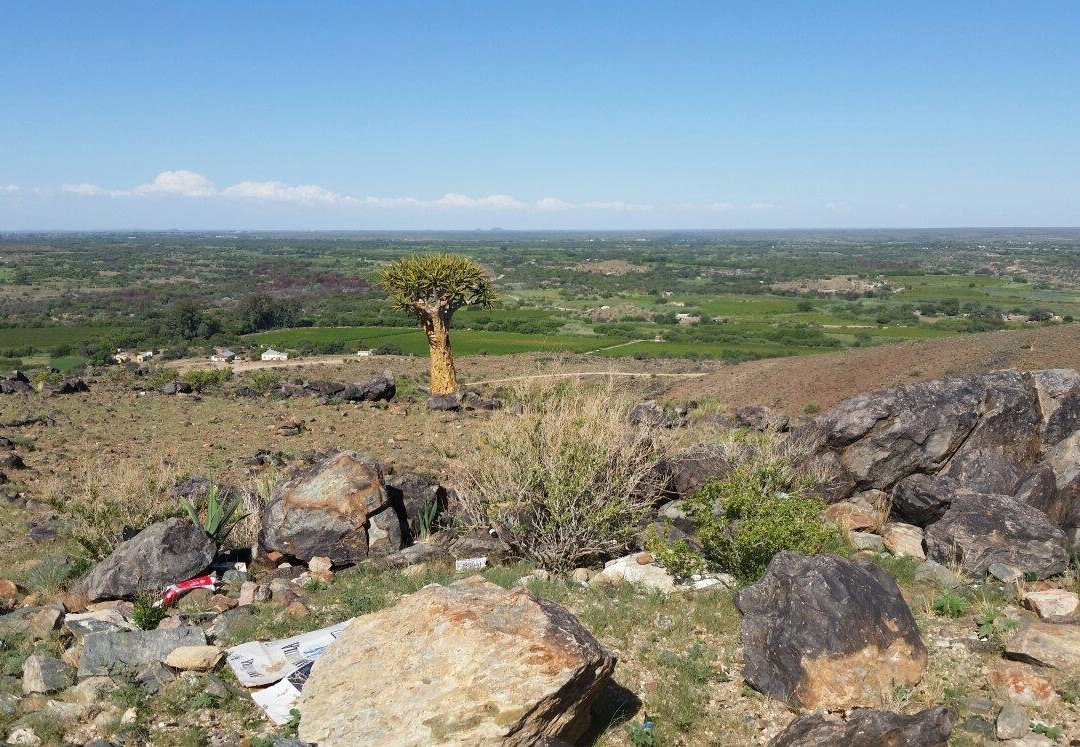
(411, 496)
(1038, 489)
(761, 418)
(327, 388)
(923, 499)
(825, 632)
(152, 676)
(984, 471)
(444, 402)
(870, 728)
(130, 650)
(164, 553)
(1058, 391)
(979, 529)
(691, 468)
(176, 387)
(371, 390)
(651, 414)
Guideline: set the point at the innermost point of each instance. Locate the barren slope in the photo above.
(791, 384)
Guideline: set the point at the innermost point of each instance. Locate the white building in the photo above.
(144, 356)
(274, 355)
(223, 356)
(363, 353)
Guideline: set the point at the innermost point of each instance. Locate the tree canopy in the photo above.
(437, 284)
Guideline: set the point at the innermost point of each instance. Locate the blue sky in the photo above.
(538, 115)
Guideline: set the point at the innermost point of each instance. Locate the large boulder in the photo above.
(978, 530)
(324, 510)
(825, 632)
(985, 430)
(870, 728)
(164, 553)
(371, 390)
(483, 665)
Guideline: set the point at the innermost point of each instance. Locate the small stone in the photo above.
(9, 592)
(582, 575)
(297, 610)
(904, 540)
(1012, 722)
(644, 558)
(867, 541)
(220, 602)
(1051, 604)
(90, 690)
(248, 590)
(194, 658)
(130, 716)
(1046, 644)
(320, 563)
(1003, 572)
(44, 623)
(1020, 683)
(23, 735)
(979, 706)
(44, 674)
(196, 599)
(65, 711)
(851, 516)
(930, 572)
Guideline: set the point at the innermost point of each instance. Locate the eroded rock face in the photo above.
(484, 666)
(825, 632)
(324, 510)
(1058, 391)
(923, 499)
(870, 728)
(164, 553)
(979, 530)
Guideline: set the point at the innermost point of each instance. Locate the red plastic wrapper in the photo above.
(175, 590)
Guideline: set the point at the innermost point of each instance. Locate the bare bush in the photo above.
(567, 481)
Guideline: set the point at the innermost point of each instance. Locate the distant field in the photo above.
(45, 337)
(464, 342)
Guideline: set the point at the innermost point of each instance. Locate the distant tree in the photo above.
(186, 320)
(431, 288)
(259, 312)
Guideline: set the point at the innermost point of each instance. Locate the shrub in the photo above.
(146, 615)
(566, 482)
(261, 379)
(220, 514)
(763, 506)
(950, 604)
(159, 378)
(206, 378)
(388, 348)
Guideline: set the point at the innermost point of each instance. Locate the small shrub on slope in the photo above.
(763, 506)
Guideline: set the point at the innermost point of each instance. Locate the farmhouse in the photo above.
(686, 319)
(274, 355)
(144, 356)
(223, 356)
(122, 357)
(363, 353)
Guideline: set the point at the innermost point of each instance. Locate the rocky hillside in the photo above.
(900, 570)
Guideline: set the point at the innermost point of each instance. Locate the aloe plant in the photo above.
(220, 514)
(427, 519)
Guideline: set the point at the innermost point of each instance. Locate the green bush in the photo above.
(206, 379)
(762, 507)
(159, 378)
(261, 380)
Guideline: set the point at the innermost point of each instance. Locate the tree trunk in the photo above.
(443, 376)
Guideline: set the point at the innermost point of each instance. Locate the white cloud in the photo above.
(10, 188)
(85, 189)
(552, 203)
(282, 192)
(182, 183)
(452, 199)
(903, 207)
(617, 205)
(719, 207)
(762, 206)
(839, 206)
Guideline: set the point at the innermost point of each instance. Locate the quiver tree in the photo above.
(432, 287)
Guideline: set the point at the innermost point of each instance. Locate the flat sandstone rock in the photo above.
(466, 664)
